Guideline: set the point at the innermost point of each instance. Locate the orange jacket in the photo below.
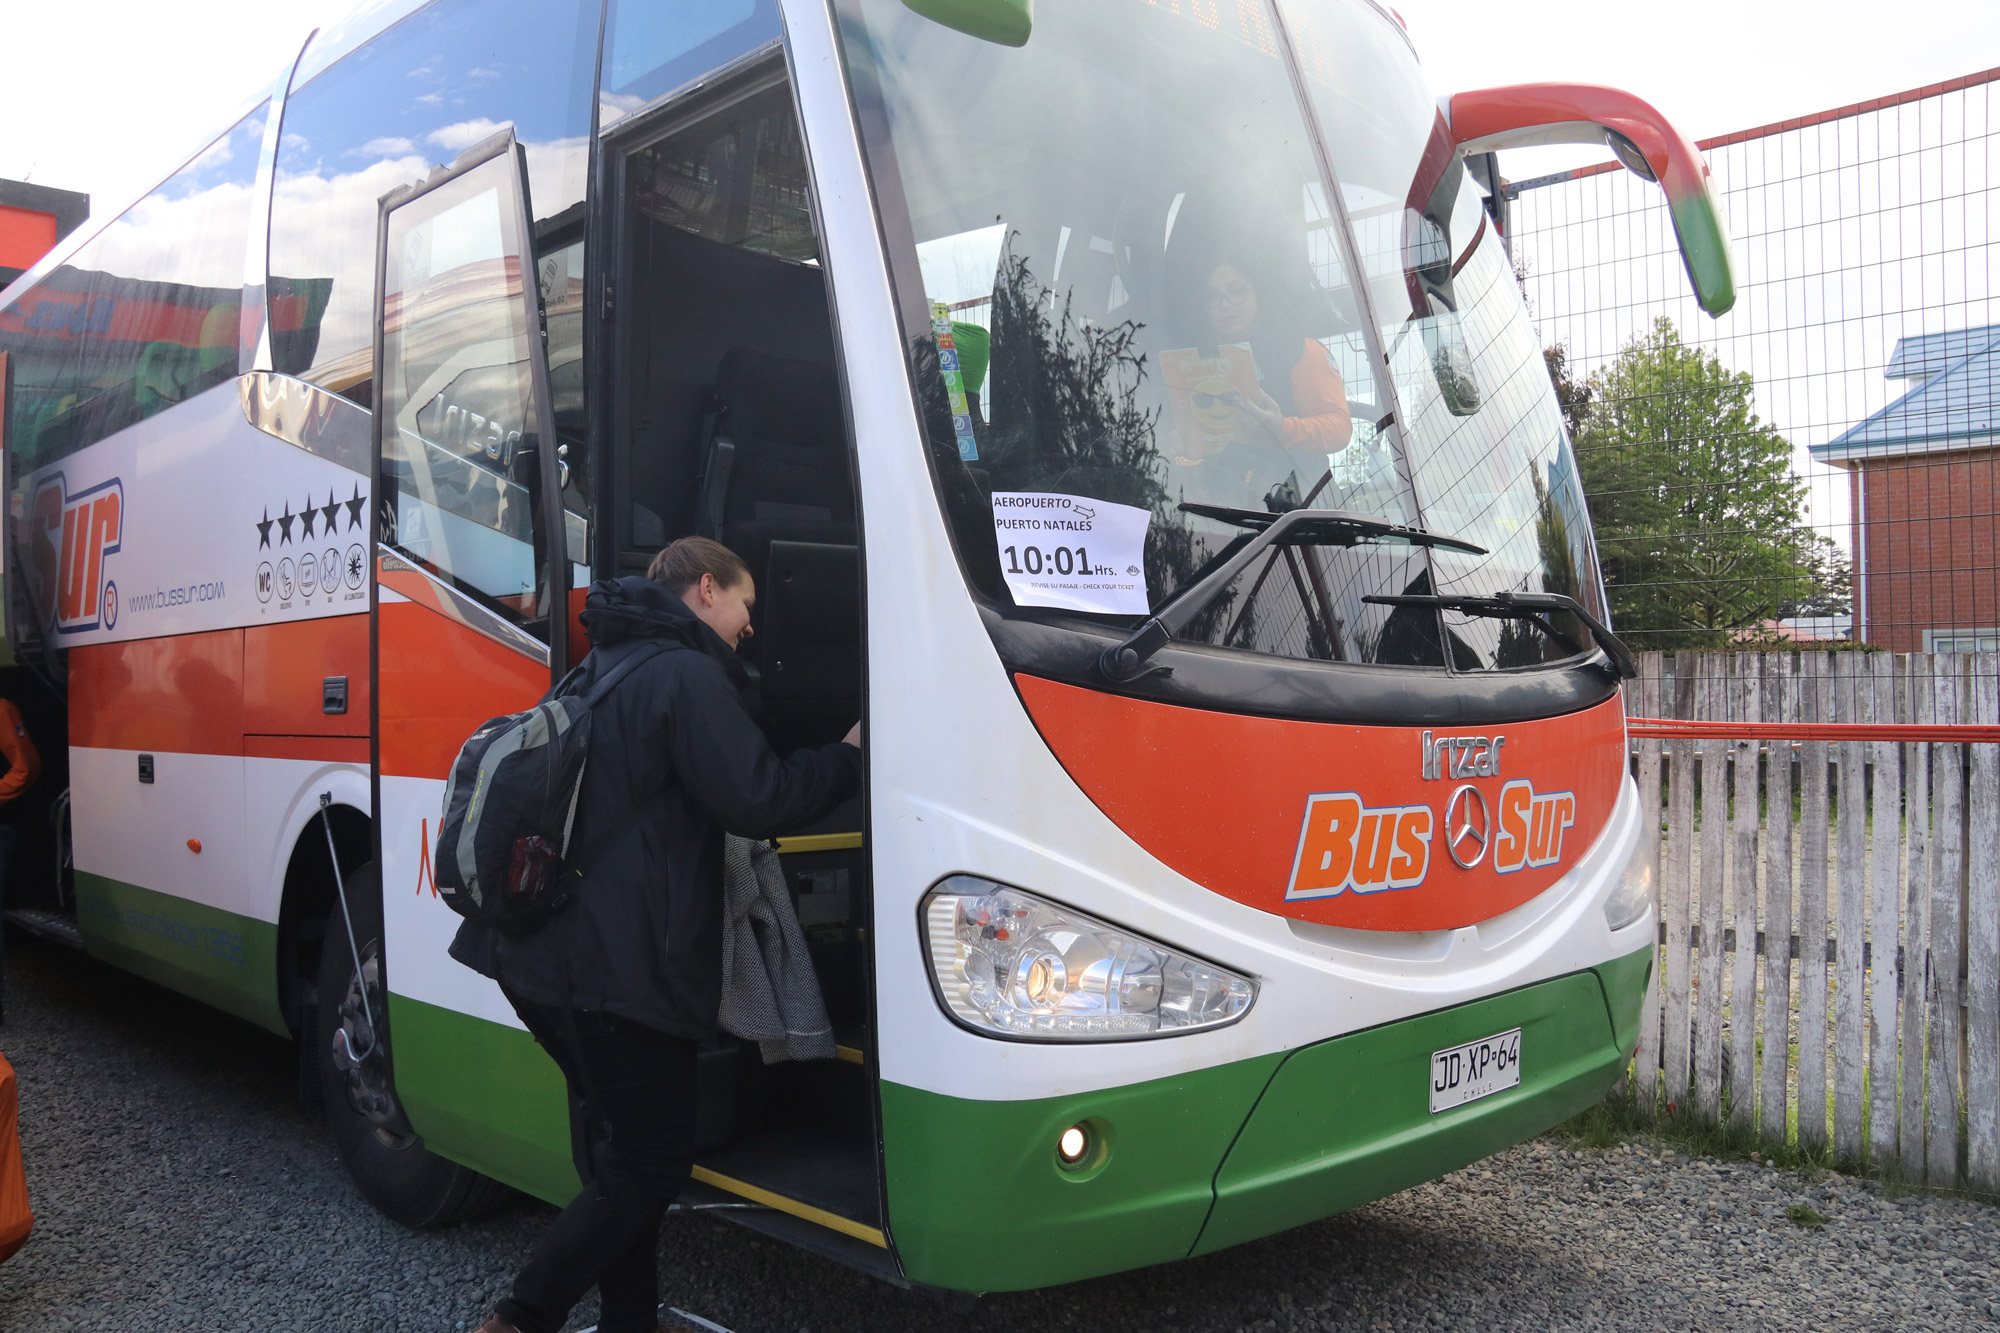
(24, 764)
(1323, 424)
(16, 1220)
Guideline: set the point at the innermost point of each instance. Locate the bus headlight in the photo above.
(1637, 893)
(1010, 963)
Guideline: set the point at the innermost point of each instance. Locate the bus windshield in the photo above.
(1137, 252)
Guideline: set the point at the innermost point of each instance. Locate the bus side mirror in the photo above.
(1006, 22)
(1545, 113)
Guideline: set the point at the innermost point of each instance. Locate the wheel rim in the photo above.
(360, 1053)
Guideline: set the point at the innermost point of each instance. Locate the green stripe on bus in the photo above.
(217, 957)
(1348, 1121)
(483, 1094)
(1208, 1159)
(978, 1200)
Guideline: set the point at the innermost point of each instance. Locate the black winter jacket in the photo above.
(675, 760)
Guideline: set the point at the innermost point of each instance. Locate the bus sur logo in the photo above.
(1531, 826)
(1347, 845)
(73, 534)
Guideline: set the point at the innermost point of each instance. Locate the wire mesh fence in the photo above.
(1812, 475)
(1820, 464)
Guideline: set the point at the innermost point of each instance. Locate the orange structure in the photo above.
(32, 219)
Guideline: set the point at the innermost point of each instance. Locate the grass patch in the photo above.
(1806, 1216)
(1610, 1123)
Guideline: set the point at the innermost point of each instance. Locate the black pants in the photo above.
(632, 1127)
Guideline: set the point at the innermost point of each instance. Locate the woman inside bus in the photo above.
(1295, 416)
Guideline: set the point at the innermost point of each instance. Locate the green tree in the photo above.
(1697, 511)
(1572, 395)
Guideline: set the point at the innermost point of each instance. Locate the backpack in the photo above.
(509, 805)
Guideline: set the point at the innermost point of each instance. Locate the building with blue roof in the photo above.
(1923, 485)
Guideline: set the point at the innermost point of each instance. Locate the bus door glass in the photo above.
(464, 402)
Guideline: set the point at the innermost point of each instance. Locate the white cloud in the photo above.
(184, 239)
(465, 133)
(385, 148)
(311, 213)
(614, 107)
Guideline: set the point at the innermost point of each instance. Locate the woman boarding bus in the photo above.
(1129, 408)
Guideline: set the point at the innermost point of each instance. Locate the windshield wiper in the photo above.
(1527, 606)
(1298, 527)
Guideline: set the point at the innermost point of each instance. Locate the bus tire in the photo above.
(383, 1154)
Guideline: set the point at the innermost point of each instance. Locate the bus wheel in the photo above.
(385, 1157)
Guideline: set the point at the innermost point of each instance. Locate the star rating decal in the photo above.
(314, 519)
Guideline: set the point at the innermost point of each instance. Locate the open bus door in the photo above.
(723, 313)
(468, 585)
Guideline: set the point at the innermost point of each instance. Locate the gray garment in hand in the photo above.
(770, 994)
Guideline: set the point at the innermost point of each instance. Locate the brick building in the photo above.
(1923, 478)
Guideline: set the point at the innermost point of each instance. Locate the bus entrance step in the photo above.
(677, 1320)
(44, 924)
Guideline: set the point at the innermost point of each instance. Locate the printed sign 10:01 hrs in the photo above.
(1065, 560)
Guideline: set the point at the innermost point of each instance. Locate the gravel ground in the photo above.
(179, 1187)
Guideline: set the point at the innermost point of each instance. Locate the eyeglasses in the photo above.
(1236, 293)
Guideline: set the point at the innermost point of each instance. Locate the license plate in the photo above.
(1461, 1074)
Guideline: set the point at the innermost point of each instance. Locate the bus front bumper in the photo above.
(1348, 1121)
(978, 1202)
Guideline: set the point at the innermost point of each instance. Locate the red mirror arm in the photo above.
(1547, 113)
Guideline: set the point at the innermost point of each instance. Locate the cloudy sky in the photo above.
(111, 118)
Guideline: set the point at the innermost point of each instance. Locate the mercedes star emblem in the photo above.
(1468, 826)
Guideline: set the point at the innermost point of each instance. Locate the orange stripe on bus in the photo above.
(439, 680)
(1229, 801)
(284, 674)
(182, 694)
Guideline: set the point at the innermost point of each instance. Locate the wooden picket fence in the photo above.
(1830, 908)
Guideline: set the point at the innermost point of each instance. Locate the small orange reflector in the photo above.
(194, 845)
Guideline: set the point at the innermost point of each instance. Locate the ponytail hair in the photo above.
(681, 565)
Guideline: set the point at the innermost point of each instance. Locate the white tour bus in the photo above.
(1128, 408)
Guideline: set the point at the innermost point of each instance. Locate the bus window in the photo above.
(427, 89)
(460, 425)
(144, 315)
(1491, 461)
(1185, 316)
(651, 49)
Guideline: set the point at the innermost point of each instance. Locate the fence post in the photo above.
(1814, 707)
(1914, 982)
(1743, 889)
(1982, 931)
(1941, 997)
(1781, 704)
(1646, 1063)
(1885, 898)
(1712, 706)
(1850, 913)
(1674, 891)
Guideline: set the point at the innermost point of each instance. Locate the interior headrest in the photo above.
(774, 398)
